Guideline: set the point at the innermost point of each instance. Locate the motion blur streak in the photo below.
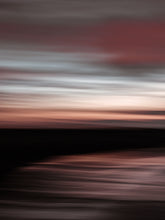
(82, 109)
(82, 56)
(115, 186)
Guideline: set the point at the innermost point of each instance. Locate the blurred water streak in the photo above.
(127, 185)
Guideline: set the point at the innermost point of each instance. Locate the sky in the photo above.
(82, 64)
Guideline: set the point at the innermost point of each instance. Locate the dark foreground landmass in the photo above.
(21, 146)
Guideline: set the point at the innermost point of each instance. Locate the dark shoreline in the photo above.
(20, 146)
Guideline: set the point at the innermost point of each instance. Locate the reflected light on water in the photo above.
(95, 186)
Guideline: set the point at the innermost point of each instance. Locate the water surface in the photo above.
(122, 185)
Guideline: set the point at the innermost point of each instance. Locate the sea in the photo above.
(125, 185)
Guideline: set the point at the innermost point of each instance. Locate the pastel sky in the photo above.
(82, 63)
